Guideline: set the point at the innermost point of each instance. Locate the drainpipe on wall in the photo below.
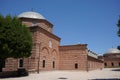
(39, 44)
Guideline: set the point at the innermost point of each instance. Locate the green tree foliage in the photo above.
(118, 30)
(118, 27)
(15, 38)
(118, 47)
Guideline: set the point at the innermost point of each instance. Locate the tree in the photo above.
(118, 30)
(15, 39)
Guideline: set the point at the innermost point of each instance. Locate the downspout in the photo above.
(38, 70)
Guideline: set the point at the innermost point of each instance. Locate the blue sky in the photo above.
(91, 22)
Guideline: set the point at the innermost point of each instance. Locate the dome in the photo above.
(31, 14)
(112, 51)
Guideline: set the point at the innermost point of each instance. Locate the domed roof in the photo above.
(112, 51)
(31, 14)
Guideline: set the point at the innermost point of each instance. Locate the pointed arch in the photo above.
(54, 52)
(45, 50)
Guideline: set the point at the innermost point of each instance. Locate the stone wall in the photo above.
(46, 50)
(94, 63)
(73, 57)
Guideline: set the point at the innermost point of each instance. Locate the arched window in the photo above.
(53, 64)
(112, 64)
(43, 63)
(76, 65)
(105, 64)
(119, 63)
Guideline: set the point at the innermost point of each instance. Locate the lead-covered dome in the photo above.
(31, 14)
(112, 51)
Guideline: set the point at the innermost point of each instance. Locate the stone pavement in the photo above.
(104, 74)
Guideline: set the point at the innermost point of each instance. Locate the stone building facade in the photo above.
(47, 54)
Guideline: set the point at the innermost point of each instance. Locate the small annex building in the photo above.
(48, 54)
(112, 58)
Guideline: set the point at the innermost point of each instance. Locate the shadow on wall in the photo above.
(106, 79)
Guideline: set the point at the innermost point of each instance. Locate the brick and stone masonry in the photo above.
(47, 54)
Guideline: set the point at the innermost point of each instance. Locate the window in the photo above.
(34, 23)
(76, 66)
(21, 63)
(53, 64)
(112, 64)
(43, 63)
(105, 64)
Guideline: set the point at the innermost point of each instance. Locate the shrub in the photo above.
(22, 72)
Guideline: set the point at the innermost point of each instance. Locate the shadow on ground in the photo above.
(116, 70)
(106, 79)
(12, 74)
(62, 78)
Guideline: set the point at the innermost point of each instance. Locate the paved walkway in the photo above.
(104, 74)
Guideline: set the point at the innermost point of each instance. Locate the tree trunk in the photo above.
(0, 69)
(2, 64)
